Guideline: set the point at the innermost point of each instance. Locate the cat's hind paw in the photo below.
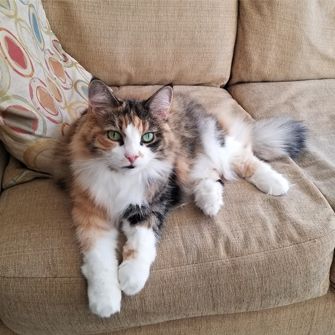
(271, 182)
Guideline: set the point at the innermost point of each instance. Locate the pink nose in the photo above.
(131, 158)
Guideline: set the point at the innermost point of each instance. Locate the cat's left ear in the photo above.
(159, 104)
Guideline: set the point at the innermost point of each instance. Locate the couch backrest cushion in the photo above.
(285, 40)
(148, 42)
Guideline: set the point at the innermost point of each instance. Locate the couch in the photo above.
(263, 266)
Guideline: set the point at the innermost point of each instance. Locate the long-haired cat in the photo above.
(130, 161)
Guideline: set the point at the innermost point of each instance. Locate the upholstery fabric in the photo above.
(42, 88)
(138, 42)
(230, 267)
(315, 316)
(17, 173)
(260, 252)
(5, 330)
(3, 162)
(282, 40)
(313, 102)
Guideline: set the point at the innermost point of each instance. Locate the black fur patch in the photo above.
(169, 196)
(136, 214)
(220, 134)
(174, 191)
(154, 145)
(295, 147)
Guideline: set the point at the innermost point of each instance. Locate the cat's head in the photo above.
(128, 135)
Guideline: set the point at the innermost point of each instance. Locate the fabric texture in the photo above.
(42, 88)
(5, 330)
(139, 42)
(311, 101)
(3, 163)
(260, 252)
(17, 173)
(315, 316)
(282, 40)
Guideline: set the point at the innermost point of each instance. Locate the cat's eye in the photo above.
(114, 135)
(148, 137)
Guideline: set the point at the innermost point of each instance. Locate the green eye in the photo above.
(148, 137)
(114, 135)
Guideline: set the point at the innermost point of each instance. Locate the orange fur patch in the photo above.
(141, 125)
(182, 170)
(128, 253)
(246, 168)
(89, 219)
(104, 143)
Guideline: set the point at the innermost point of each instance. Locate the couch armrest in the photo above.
(3, 162)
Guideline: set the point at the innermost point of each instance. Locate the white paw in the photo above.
(208, 196)
(104, 300)
(272, 183)
(133, 275)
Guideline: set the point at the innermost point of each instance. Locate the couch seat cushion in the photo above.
(4, 330)
(313, 102)
(259, 252)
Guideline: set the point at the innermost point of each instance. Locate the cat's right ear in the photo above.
(100, 96)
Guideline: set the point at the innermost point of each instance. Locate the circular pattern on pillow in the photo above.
(20, 117)
(8, 8)
(44, 102)
(15, 54)
(4, 76)
(35, 26)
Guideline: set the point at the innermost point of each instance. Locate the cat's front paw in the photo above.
(104, 300)
(133, 275)
(208, 196)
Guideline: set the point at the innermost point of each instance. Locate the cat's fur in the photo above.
(130, 185)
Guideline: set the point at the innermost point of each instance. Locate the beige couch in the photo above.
(263, 266)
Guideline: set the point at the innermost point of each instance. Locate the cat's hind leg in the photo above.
(261, 174)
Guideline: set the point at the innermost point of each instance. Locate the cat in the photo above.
(129, 162)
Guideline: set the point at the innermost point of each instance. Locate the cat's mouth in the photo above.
(128, 167)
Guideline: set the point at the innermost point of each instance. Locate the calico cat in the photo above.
(129, 162)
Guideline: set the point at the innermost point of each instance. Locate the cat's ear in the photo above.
(159, 104)
(101, 96)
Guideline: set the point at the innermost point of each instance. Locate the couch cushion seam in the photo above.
(199, 264)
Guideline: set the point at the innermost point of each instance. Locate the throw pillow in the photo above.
(42, 88)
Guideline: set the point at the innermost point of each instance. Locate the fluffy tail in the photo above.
(277, 137)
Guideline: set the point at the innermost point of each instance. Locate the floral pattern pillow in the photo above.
(42, 89)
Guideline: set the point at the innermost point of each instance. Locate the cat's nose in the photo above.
(131, 158)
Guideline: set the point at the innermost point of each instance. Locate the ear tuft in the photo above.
(159, 103)
(100, 95)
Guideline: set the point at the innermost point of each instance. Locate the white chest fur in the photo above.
(115, 191)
